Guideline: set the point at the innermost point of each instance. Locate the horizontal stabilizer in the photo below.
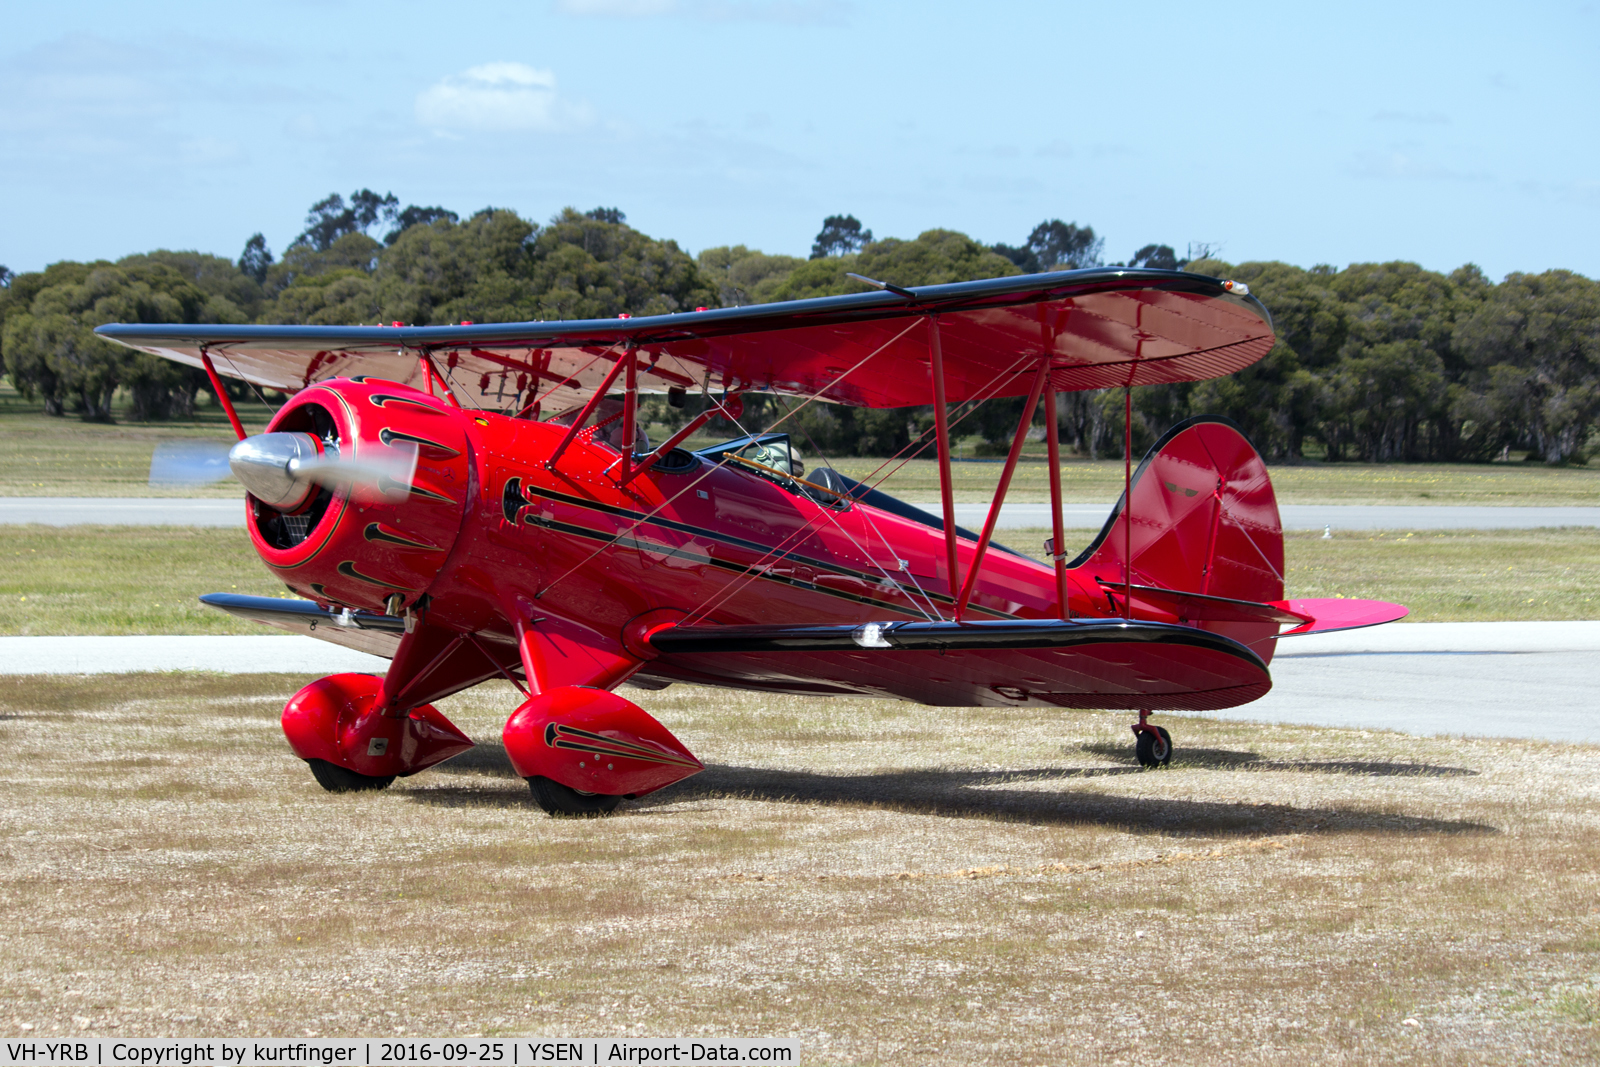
(1197, 607)
(1314, 616)
(1326, 615)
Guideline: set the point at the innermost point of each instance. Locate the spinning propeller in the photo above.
(282, 470)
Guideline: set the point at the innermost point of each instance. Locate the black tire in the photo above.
(335, 779)
(559, 800)
(1154, 751)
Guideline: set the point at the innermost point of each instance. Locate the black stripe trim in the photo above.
(389, 437)
(607, 746)
(417, 490)
(348, 569)
(380, 399)
(601, 739)
(374, 532)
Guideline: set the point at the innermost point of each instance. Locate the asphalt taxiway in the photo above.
(1482, 679)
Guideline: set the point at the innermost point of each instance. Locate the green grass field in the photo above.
(125, 579)
(1089, 482)
(44, 456)
(120, 580)
(145, 580)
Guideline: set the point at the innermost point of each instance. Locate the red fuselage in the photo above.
(492, 538)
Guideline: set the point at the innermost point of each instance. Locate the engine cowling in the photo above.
(361, 550)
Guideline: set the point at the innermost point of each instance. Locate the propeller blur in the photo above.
(185, 464)
(284, 469)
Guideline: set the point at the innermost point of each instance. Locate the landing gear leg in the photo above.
(1152, 744)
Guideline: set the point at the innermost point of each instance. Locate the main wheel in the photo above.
(335, 779)
(1154, 749)
(557, 799)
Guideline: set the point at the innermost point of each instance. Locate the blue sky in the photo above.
(1336, 133)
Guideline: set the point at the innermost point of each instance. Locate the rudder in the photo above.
(1204, 520)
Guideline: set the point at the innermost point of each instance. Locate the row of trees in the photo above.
(1374, 362)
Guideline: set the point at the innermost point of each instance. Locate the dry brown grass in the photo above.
(876, 879)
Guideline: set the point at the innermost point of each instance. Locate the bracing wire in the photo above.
(247, 381)
(675, 497)
(937, 615)
(753, 571)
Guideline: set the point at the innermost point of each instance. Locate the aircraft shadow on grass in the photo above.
(1218, 759)
(955, 793)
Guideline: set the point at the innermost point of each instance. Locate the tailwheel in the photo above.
(1152, 743)
(1154, 746)
(558, 800)
(335, 779)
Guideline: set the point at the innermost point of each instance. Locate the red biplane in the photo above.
(479, 501)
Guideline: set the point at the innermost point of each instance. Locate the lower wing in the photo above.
(1097, 664)
(363, 631)
(1081, 664)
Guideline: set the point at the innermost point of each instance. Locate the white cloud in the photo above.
(497, 97)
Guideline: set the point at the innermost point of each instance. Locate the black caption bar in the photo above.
(389, 1052)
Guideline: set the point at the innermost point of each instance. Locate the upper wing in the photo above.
(1101, 328)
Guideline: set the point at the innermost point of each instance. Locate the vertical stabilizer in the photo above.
(1204, 520)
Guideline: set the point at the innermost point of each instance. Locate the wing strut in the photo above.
(1127, 501)
(430, 373)
(630, 410)
(588, 409)
(1058, 555)
(689, 428)
(941, 431)
(1039, 378)
(222, 394)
